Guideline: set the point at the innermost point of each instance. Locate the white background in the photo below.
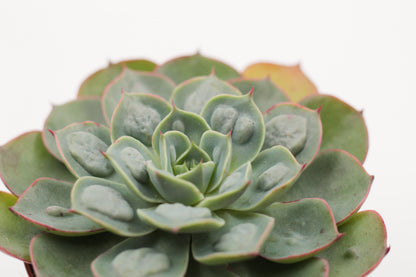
(361, 51)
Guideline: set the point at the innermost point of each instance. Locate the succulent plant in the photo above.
(190, 169)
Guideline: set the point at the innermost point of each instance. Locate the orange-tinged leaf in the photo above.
(289, 78)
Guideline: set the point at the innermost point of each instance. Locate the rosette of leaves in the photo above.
(189, 169)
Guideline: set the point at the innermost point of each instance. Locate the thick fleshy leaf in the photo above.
(230, 190)
(82, 146)
(137, 116)
(289, 78)
(265, 92)
(197, 269)
(343, 126)
(200, 175)
(274, 171)
(193, 94)
(218, 147)
(96, 83)
(362, 247)
(47, 204)
(172, 145)
(241, 238)
(137, 82)
(173, 189)
(185, 68)
(80, 110)
(313, 267)
(15, 232)
(239, 115)
(158, 254)
(128, 157)
(178, 218)
(337, 177)
(190, 124)
(67, 256)
(295, 127)
(25, 159)
(111, 205)
(302, 229)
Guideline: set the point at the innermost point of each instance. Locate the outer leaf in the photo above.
(134, 81)
(265, 93)
(302, 229)
(46, 203)
(297, 128)
(343, 126)
(338, 178)
(290, 78)
(185, 68)
(274, 171)
(96, 83)
(240, 115)
(111, 205)
(239, 239)
(179, 218)
(313, 267)
(80, 110)
(362, 247)
(193, 94)
(157, 254)
(201, 270)
(66, 256)
(137, 115)
(25, 159)
(15, 233)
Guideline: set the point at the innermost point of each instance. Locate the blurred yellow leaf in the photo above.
(288, 78)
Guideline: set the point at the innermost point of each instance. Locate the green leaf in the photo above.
(193, 94)
(302, 229)
(172, 145)
(158, 254)
(343, 126)
(80, 110)
(241, 238)
(201, 270)
(47, 204)
(172, 188)
(312, 267)
(15, 232)
(295, 127)
(239, 115)
(229, 191)
(137, 82)
(137, 116)
(274, 171)
(178, 218)
(67, 256)
(362, 247)
(111, 205)
(96, 83)
(128, 157)
(200, 175)
(265, 92)
(338, 178)
(25, 159)
(185, 68)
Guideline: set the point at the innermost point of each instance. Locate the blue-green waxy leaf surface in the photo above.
(136, 82)
(241, 238)
(302, 228)
(111, 205)
(240, 116)
(180, 218)
(193, 94)
(338, 178)
(15, 232)
(158, 254)
(68, 256)
(25, 159)
(47, 203)
(197, 269)
(295, 127)
(80, 110)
